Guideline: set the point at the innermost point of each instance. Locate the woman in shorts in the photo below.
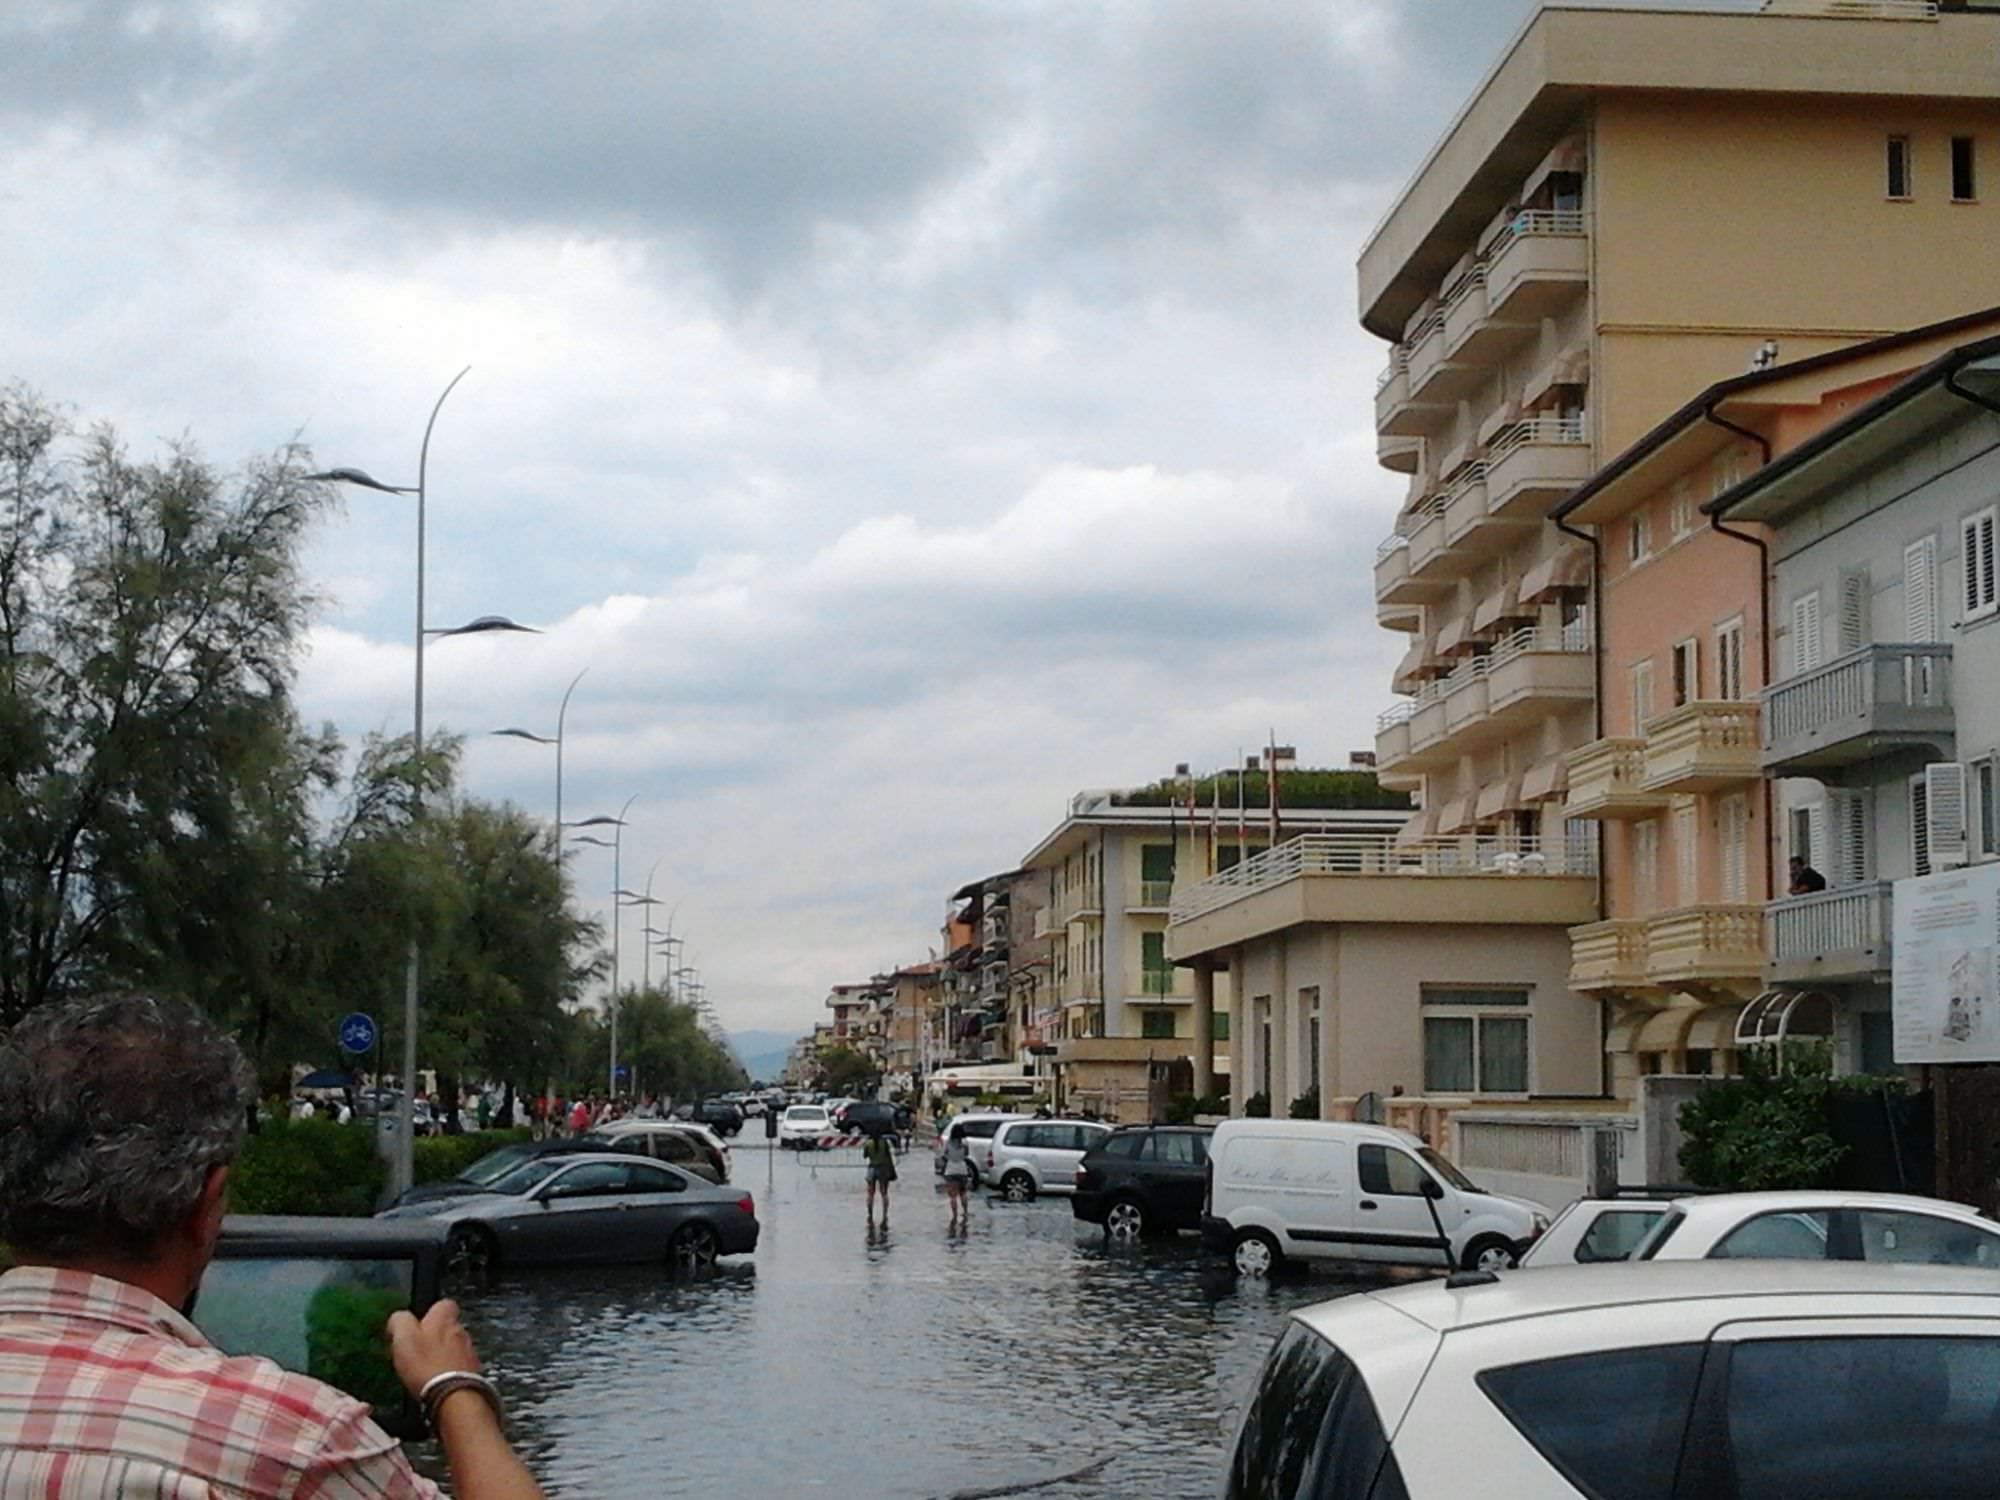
(880, 1154)
(957, 1171)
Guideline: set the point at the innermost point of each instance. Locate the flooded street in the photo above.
(899, 1364)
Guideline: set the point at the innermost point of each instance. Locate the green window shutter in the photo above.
(1156, 862)
(1152, 950)
(1219, 1030)
(1156, 1025)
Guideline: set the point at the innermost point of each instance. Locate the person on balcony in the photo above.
(1805, 879)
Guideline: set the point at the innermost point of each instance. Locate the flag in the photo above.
(1214, 821)
(1271, 784)
(1242, 821)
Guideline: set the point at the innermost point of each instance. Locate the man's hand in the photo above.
(430, 1348)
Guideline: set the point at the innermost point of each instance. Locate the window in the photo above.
(1964, 177)
(1228, 856)
(1734, 836)
(1687, 673)
(1687, 854)
(1126, 1145)
(1392, 1173)
(1642, 694)
(1156, 1025)
(1854, 602)
(1311, 1400)
(1156, 863)
(1920, 825)
(1877, 1029)
(1176, 1148)
(1480, 1052)
(1611, 1423)
(1638, 539)
(1985, 791)
(1855, 1415)
(1729, 659)
(591, 1180)
(1920, 613)
(1681, 512)
(1976, 537)
(1924, 1239)
(1785, 1236)
(647, 1178)
(1312, 1040)
(1615, 1234)
(1153, 951)
(1848, 808)
(1805, 632)
(1898, 184)
(1219, 1028)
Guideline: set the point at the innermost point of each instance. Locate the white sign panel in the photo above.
(1947, 987)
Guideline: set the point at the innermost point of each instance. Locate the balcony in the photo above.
(1473, 329)
(1153, 895)
(1702, 747)
(1048, 923)
(1473, 532)
(1433, 559)
(1605, 781)
(1535, 671)
(1877, 701)
(1608, 957)
(1372, 877)
(1830, 935)
(1539, 670)
(1437, 379)
(1408, 618)
(1400, 455)
(1715, 952)
(1531, 465)
(1536, 265)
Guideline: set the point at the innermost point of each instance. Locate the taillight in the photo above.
(1083, 1176)
(989, 1158)
(748, 1205)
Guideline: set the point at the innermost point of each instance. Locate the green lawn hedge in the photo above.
(307, 1167)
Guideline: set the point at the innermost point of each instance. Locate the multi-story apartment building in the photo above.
(1882, 726)
(999, 967)
(1675, 775)
(1128, 1021)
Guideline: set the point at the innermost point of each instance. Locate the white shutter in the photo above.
(1944, 814)
(1687, 851)
(1920, 613)
(1849, 811)
(1735, 837)
(1816, 835)
(1920, 826)
(1805, 632)
(1729, 660)
(1646, 864)
(1642, 695)
(1976, 543)
(1853, 610)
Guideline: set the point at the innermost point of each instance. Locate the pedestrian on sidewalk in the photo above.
(880, 1154)
(957, 1170)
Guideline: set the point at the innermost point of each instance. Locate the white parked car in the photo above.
(801, 1126)
(1769, 1382)
(1283, 1190)
(686, 1127)
(975, 1130)
(1024, 1158)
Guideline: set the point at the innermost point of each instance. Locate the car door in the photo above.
(573, 1208)
(651, 1208)
(1174, 1165)
(1393, 1220)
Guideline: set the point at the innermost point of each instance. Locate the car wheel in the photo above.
(1491, 1252)
(1125, 1221)
(1017, 1187)
(468, 1256)
(1256, 1253)
(694, 1248)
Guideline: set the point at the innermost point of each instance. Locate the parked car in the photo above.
(976, 1131)
(1592, 1231)
(1333, 1190)
(1029, 1157)
(753, 1107)
(721, 1117)
(713, 1144)
(484, 1172)
(663, 1140)
(1144, 1179)
(1835, 1381)
(875, 1117)
(802, 1125)
(1824, 1226)
(572, 1208)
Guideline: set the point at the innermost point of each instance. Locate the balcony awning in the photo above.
(1570, 367)
(1567, 157)
(1666, 1031)
(1567, 568)
(1545, 781)
(1500, 609)
(1456, 815)
(1714, 1030)
(1779, 1015)
(1497, 798)
(1504, 415)
(1419, 662)
(1456, 637)
(1420, 827)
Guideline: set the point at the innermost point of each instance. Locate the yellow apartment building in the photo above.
(1632, 206)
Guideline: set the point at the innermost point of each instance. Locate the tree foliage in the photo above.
(664, 1045)
(842, 1070)
(1771, 1128)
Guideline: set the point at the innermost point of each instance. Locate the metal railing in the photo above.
(1571, 639)
(1471, 281)
(1543, 429)
(1399, 364)
(1390, 545)
(1851, 919)
(1535, 221)
(1378, 854)
(1854, 686)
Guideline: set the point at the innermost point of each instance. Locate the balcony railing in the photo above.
(1701, 746)
(1695, 947)
(1534, 223)
(1856, 10)
(1155, 892)
(1605, 779)
(1608, 955)
(1870, 702)
(1372, 854)
(1532, 462)
(1837, 934)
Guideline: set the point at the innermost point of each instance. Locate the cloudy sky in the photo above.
(910, 413)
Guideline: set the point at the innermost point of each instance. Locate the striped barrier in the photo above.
(835, 1142)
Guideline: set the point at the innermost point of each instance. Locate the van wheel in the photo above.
(1125, 1221)
(1491, 1252)
(1257, 1254)
(1017, 1187)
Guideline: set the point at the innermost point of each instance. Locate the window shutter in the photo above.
(1853, 610)
(1920, 621)
(1645, 875)
(1805, 632)
(1735, 837)
(1976, 543)
(1642, 695)
(1920, 826)
(1944, 814)
(1816, 835)
(1850, 837)
(1687, 848)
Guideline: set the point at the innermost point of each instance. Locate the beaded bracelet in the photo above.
(434, 1391)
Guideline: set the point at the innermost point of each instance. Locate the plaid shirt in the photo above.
(107, 1391)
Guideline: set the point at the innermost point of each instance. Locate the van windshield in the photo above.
(1448, 1172)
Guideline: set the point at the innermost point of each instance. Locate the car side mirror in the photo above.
(1432, 1188)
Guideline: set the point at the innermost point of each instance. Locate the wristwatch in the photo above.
(450, 1382)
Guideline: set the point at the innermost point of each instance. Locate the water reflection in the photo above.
(889, 1355)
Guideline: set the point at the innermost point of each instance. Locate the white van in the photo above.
(1328, 1190)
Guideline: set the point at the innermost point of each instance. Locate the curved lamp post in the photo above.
(617, 825)
(413, 968)
(562, 713)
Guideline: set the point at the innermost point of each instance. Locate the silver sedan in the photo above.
(593, 1207)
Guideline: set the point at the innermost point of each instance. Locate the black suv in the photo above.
(718, 1115)
(1143, 1179)
(875, 1117)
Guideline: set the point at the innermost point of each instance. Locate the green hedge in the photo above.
(307, 1167)
(437, 1157)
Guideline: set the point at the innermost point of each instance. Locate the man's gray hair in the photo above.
(113, 1111)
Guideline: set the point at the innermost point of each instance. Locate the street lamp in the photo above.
(404, 1174)
(617, 825)
(542, 739)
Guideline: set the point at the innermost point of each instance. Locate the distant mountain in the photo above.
(763, 1053)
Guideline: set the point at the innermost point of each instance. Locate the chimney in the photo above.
(1361, 760)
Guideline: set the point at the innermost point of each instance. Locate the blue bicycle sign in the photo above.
(357, 1033)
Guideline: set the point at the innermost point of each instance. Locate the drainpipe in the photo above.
(1764, 622)
(1590, 540)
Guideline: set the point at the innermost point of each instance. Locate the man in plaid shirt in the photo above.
(119, 1119)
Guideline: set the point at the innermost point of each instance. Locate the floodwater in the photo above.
(1025, 1357)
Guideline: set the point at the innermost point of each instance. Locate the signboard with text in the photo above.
(1947, 985)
